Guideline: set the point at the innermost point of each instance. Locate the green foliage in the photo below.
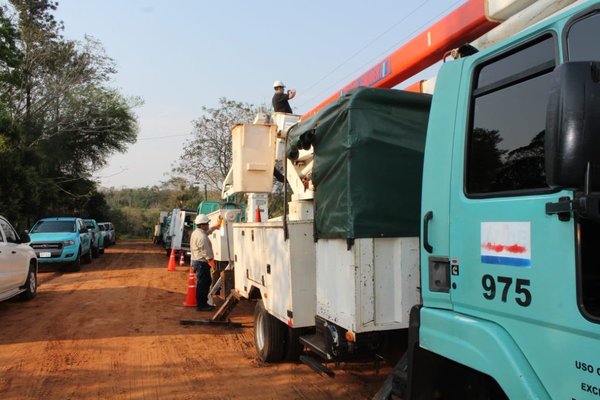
(134, 212)
(207, 156)
(59, 118)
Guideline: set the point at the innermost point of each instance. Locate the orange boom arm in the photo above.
(461, 26)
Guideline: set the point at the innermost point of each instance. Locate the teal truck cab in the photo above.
(61, 241)
(510, 219)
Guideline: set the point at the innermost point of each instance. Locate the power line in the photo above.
(385, 52)
(164, 137)
(366, 46)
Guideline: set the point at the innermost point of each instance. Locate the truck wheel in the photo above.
(269, 333)
(30, 284)
(88, 257)
(95, 252)
(76, 265)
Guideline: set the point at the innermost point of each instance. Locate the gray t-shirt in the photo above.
(200, 245)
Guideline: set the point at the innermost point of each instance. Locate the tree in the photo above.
(59, 118)
(524, 167)
(485, 159)
(206, 157)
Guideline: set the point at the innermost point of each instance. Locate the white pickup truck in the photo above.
(18, 264)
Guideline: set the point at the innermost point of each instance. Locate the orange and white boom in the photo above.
(464, 24)
(467, 23)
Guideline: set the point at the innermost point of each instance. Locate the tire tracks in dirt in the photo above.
(112, 331)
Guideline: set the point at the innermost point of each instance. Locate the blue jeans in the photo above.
(202, 282)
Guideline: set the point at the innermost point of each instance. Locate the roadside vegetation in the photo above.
(60, 120)
(59, 117)
(134, 212)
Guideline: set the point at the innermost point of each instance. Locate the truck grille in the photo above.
(49, 246)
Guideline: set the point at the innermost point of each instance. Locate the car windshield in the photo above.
(89, 225)
(53, 226)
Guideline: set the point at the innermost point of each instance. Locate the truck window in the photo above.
(53, 226)
(11, 236)
(582, 39)
(505, 143)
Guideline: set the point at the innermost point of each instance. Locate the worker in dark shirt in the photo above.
(280, 98)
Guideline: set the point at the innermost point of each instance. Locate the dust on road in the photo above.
(112, 331)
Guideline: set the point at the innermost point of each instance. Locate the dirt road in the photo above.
(112, 331)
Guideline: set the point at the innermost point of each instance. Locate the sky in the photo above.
(182, 55)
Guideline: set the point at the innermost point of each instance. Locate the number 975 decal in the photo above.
(503, 287)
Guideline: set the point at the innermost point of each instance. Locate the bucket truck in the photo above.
(465, 222)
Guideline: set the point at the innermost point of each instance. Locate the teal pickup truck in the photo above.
(61, 242)
(97, 237)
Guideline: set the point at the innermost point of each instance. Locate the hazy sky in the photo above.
(180, 55)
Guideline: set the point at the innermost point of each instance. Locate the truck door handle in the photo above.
(426, 218)
(14, 252)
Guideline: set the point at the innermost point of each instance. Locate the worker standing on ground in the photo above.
(202, 256)
(280, 98)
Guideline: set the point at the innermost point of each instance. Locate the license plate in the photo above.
(45, 254)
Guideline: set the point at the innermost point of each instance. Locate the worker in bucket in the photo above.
(280, 98)
(202, 258)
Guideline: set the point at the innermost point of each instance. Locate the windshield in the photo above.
(53, 226)
(89, 225)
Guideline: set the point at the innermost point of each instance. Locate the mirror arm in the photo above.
(562, 208)
(585, 204)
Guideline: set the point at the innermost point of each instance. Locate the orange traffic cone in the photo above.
(182, 259)
(190, 298)
(171, 264)
(257, 215)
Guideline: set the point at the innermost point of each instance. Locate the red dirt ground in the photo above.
(112, 331)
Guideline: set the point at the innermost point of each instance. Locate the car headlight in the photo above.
(68, 243)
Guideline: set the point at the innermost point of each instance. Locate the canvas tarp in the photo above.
(368, 163)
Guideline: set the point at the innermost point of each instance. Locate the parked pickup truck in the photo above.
(97, 237)
(112, 236)
(18, 264)
(62, 241)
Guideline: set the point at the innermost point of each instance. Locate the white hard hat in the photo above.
(277, 84)
(201, 219)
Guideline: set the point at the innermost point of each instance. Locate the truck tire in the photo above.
(30, 284)
(269, 335)
(396, 382)
(88, 257)
(76, 265)
(95, 252)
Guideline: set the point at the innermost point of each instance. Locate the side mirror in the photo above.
(25, 237)
(572, 140)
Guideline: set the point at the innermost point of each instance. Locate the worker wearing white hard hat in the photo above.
(280, 98)
(202, 258)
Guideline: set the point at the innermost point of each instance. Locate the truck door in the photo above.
(6, 266)
(12, 258)
(515, 264)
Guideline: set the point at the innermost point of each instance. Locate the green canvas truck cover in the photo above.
(368, 163)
